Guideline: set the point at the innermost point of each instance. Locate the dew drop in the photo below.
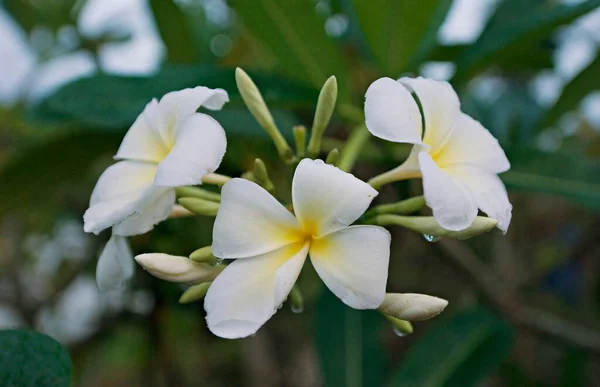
(399, 333)
(297, 309)
(218, 261)
(431, 238)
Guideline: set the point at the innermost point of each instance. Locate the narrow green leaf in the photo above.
(30, 359)
(296, 36)
(401, 33)
(458, 351)
(116, 100)
(516, 27)
(175, 31)
(348, 343)
(587, 81)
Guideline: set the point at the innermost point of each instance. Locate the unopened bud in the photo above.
(427, 225)
(200, 206)
(401, 327)
(262, 176)
(178, 211)
(194, 293)
(296, 299)
(325, 107)
(177, 269)
(257, 106)
(411, 306)
(195, 192)
(333, 157)
(300, 139)
(203, 255)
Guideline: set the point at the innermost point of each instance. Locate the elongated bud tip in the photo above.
(300, 139)
(194, 293)
(199, 206)
(204, 255)
(177, 269)
(260, 170)
(411, 306)
(333, 157)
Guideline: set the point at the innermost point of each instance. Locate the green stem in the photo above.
(358, 139)
(407, 206)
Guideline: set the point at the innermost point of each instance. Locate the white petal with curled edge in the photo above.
(247, 293)
(392, 113)
(440, 106)
(199, 147)
(115, 265)
(489, 193)
(353, 263)
(326, 198)
(177, 105)
(123, 190)
(472, 144)
(452, 204)
(143, 141)
(154, 211)
(251, 222)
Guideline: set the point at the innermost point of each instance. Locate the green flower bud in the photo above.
(195, 192)
(262, 176)
(333, 157)
(296, 299)
(401, 327)
(300, 139)
(427, 225)
(257, 106)
(200, 206)
(407, 206)
(194, 293)
(325, 107)
(203, 255)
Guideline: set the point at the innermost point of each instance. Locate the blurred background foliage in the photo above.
(524, 307)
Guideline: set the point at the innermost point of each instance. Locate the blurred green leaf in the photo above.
(514, 29)
(54, 14)
(116, 101)
(348, 343)
(29, 358)
(459, 351)
(401, 33)
(587, 81)
(175, 31)
(295, 34)
(574, 366)
(574, 177)
(33, 177)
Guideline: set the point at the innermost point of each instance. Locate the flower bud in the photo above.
(262, 176)
(194, 293)
(195, 192)
(401, 327)
(412, 307)
(177, 269)
(203, 255)
(427, 225)
(200, 206)
(333, 157)
(325, 107)
(179, 211)
(296, 299)
(300, 139)
(257, 106)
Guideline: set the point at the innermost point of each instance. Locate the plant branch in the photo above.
(507, 302)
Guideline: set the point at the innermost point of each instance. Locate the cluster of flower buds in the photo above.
(260, 244)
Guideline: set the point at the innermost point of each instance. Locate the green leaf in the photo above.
(401, 33)
(54, 14)
(348, 343)
(584, 83)
(458, 351)
(296, 36)
(175, 31)
(32, 179)
(516, 27)
(574, 177)
(29, 358)
(116, 101)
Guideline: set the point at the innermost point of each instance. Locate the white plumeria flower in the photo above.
(457, 157)
(270, 246)
(169, 145)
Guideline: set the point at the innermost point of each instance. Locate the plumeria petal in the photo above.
(489, 193)
(126, 190)
(200, 145)
(177, 105)
(451, 201)
(247, 293)
(143, 141)
(115, 265)
(441, 108)
(474, 145)
(326, 198)
(251, 222)
(392, 113)
(353, 263)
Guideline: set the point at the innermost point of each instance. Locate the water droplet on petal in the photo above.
(399, 333)
(297, 309)
(431, 238)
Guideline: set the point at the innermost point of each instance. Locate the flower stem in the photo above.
(358, 138)
(407, 206)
